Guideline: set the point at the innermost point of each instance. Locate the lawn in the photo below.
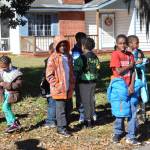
(31, 112)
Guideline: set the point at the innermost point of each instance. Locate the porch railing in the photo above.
(4, 44)
(35, 43)
(41, 43)
(71, 39)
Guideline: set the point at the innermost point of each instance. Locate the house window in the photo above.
(39, 25)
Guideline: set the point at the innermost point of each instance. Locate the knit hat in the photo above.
(4, 61)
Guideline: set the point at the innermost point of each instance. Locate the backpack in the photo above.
(91, 64)
(44, 87)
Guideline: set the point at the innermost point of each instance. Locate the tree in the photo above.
(9, 9)
(143, 12)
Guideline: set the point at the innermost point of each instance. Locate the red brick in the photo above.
(73, 1)
(71, 22)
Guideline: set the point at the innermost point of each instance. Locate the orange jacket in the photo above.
(55, 75)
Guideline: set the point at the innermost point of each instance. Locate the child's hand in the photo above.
(139, 61)
(1, 83)
(130, 90)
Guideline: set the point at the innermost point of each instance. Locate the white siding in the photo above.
(124, 23)
(144, 41)
(90, 25)
(90, 22)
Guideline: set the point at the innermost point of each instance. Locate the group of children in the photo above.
(78, 71)
(125, 89)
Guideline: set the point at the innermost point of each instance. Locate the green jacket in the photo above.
(87, 67)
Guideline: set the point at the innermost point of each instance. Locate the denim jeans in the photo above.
(51, 112)
(132, 122)
(6, 108)
(63, 110)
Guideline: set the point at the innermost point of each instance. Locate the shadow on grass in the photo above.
(144, 131)
(30, 144)
(31, 84)
(17, 115)
(104, 78)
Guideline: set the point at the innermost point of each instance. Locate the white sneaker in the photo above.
(94, 116)
(81, 118)
(133, 142)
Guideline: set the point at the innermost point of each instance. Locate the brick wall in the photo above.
(73, 1)
(71, 22)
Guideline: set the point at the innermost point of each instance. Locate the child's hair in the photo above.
(5, 60)
(88, 43)
(51, 46)
(122, 36)
(132, 38)
(79, 36)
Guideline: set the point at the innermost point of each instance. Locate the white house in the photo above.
(101, 19)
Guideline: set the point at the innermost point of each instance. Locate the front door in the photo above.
(107, 31)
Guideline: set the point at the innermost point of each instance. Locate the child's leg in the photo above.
(132, 121)
(85, 91)
(6, 107)
(51, 112)
(61, 114)
(119, 126)
(92, 100)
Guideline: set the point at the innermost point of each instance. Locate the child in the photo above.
(59, 74)
(87, 67)
(76, 53)
(45, 90)
(122, 65)
(10, 90)
(140, 61)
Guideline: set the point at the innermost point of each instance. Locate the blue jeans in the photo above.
(51, 112)
(132, 121)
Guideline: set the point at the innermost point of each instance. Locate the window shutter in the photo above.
(24, 29)
(54, 25)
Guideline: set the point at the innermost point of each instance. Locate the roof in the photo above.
(56, 5)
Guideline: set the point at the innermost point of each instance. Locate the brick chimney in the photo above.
(76, 2)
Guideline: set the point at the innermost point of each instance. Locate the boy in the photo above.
(76, 53)
(140, 61)
(87, 68)
(45, 91)
(10, 90)
(122, 65)
(59, 74)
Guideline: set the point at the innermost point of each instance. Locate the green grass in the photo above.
(32, 111)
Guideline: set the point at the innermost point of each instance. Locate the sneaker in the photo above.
(116, 138)
(50, 125)
(88, 124)
(94, 116)
(132, 141)
(64, 132)
(13, 127)
(81, 118)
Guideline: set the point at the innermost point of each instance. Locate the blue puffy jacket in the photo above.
(117, 95)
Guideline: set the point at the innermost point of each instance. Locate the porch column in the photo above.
(15, 40)
(97, 27)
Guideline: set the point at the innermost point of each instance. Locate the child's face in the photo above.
(51, 51)
(6, 68)
(121, 44)
(63, 48)
(134, 45)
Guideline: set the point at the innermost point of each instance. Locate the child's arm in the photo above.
(131, 86)
(50, 72)
(15, 85)
(121, 70)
